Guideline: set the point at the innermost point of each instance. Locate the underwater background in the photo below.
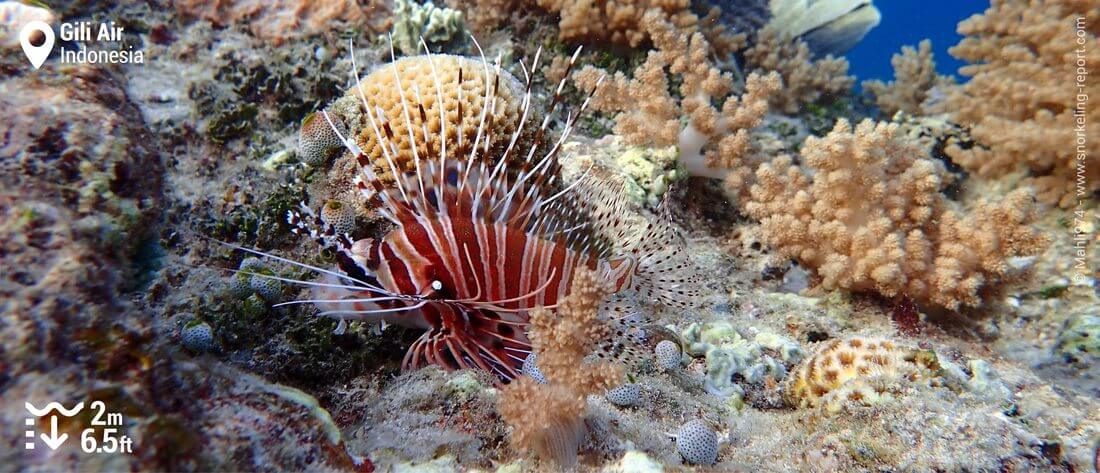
(549, 235)
(907, 23)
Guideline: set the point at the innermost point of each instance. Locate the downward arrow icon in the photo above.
(53, 440)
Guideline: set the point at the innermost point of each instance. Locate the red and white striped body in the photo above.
(477, 242)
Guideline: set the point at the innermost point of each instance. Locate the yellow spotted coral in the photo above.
(863, 370)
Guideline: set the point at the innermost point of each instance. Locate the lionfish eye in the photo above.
(437, 285)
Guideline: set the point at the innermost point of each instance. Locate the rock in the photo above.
(1079, 340)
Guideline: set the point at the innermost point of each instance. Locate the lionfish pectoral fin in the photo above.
(648, 258)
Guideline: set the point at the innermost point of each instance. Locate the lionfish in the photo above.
(475, 246)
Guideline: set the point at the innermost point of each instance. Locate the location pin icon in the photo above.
(36, 32)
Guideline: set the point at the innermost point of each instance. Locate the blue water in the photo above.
(907, 22)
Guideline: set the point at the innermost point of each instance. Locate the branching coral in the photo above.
(548, 418)
(869, 215)
(914, 78)
(1027, 59)
(620, 21)
(804, 79)
(650, 115)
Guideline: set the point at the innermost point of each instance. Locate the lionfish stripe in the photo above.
(544, 269)
(396, 271)
(442, 241)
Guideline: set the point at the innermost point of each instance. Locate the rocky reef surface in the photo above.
(118, 179)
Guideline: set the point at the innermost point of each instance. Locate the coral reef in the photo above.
(107, 292)
(81, 190)
(548, 418)
(829, 27)
(805, 80)
(914, 79)
(620, 21)
(413, 21)
(483, 17)
(715, 142)
(872, 217)
(1023, 116)
(285, 20)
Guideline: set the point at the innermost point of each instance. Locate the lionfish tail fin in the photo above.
(663, 271)
(626, 345)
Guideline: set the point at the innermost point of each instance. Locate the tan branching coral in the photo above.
(804, 79)
(714, 143)
(280, 20)
(1023, 101)
(618, 21)
(869, 216)
(914, 78)
(548, 418)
